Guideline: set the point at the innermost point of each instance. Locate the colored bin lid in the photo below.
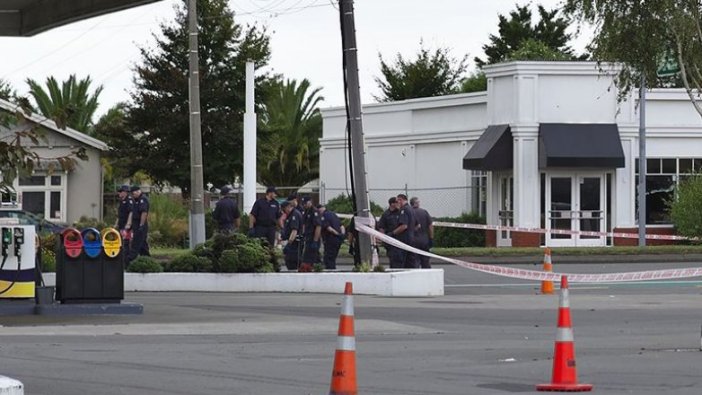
(111, 242)
(92, 242)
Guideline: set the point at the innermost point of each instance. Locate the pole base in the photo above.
(564, 387)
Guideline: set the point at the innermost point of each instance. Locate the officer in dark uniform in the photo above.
(424, 232)
(405, 231)
(226, 213)
(264, 216)
(140, 224)
(313, 233)
(332, 235)
(124, 216)
(292, 234)
(387, 223)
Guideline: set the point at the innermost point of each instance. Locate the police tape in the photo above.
(560, 231)
(364, 225)
(588, 233)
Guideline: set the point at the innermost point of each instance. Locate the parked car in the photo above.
(27, 218)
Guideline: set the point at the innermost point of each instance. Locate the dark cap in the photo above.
(320, 206)
(123, 188)
(271, 189)
(284, 204)
(292, 196)
(402, 196)
(392, 200)
(305, 199)
(135, 188)
(225, 190)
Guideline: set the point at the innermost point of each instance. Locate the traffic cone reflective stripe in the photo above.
(565, 377)
(547, 286)
(343, 380)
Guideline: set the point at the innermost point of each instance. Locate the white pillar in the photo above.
(249, 141)
(9, 386)
(527, 180)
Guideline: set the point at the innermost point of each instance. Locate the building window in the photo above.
(479, 193)
(44, 195)
(662, 177)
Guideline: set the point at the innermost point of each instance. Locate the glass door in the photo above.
(575, 202)
(506, 210)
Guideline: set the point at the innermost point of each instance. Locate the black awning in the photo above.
(492, 151)
(580, 145)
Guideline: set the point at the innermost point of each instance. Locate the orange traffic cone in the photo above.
(565, 376)
(547, 286)
(343, 380)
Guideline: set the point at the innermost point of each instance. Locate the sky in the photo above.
(305, 41)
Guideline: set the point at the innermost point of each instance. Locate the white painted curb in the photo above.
(10, 386)
(420, 282)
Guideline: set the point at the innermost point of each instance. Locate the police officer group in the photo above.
(410, 224)
(305, 227)
(133, 220)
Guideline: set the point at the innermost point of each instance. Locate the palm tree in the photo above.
(292, 126)
(68, 105)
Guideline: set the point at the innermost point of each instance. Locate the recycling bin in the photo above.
(89, 266)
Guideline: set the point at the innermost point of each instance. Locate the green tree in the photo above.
(432, 73)
(686, 210)
(70, 104)
(640, 34)
(477, 82)
(518, 30)
(292, 126)
(6, 90)
(158, 115)
(117, 163)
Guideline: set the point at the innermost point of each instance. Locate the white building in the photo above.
(547, 146)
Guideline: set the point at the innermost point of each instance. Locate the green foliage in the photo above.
(290, 133)
(318, 267)
(364, 267)
(457, 237)
(639, 34)
(379, 269)
(168, 220)
(477, 82)
(189, 263)
(532, 49)
(7, 92)
(69, 105)
(237, 253)
(48, 261)
(432, 73)
(145, 264)
(343, 204)
(686, 210)
(518, 30)
(157, 135)
(88, 222)
(110, 128)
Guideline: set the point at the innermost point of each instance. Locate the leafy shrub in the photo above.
(458, 237)
(145, 264)
(318, 267)
(48, 261)
(168, 220)
(87, 222)
(189, 262)
(342, 204)
(686, 210)
(238, 253)
(379, 269)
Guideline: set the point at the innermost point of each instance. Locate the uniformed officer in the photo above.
(313, 232)
(387, 223)
(140, 224)
(226, 213)
(405, 231)
(292, 235)
(424, 232)
(124, 211)
(332, 235)
(264, 216)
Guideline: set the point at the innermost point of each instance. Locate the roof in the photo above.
(492, 151)
(49, 124)
(30, 17)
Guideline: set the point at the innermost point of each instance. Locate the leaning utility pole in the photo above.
(197, 189)
(353, 110)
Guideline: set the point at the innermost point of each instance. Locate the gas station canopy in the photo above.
(30, 17)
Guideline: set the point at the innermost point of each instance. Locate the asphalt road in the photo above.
(487, 335)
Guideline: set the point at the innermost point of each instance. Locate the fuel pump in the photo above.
(18, 261)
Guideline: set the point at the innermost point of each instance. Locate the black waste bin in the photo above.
(85, 273)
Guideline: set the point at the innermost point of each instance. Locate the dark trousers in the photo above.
(395, 257)
(293, 252)
(331, 251)
(311, 254)
(266, 232)
(139, 245)
(422, 243)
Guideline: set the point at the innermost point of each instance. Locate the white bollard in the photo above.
(10, 386)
